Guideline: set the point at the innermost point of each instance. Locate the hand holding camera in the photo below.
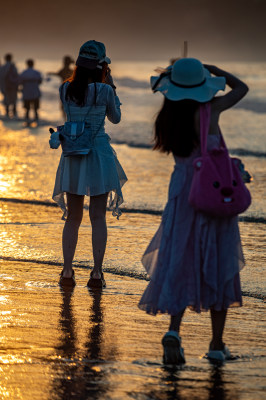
(109, 79)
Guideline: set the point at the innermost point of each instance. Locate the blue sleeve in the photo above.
(113, 110)
(61, 92)
(21, 78)
(40, 78)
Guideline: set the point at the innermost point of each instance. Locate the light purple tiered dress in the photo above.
(193, 260)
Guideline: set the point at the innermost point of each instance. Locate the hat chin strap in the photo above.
(188, 86)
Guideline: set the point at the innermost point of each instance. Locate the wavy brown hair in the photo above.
(174, 130)
(81, 77)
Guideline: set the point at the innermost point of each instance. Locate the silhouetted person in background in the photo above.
(9, 84)
(30, 79)
(64, 73)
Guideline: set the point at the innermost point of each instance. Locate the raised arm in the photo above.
(239, 89)
(113, 111)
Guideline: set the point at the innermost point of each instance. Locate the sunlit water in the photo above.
(56, 345)
(31, 176)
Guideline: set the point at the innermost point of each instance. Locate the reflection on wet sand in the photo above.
(67, 349)
(217, 389)
(95, 337)
(82, 375)
(67, 325)
(96, 383)
(93, 375)
(177, 384)
(64, 344)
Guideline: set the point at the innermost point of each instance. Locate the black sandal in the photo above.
(67, 281)
(96, 282)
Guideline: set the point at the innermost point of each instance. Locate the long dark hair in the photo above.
(81, 77)
(175, 128)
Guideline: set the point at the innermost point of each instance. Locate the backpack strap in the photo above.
(205, 117)
(63, 90)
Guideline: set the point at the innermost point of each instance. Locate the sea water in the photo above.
(243, 127)
(28, 165)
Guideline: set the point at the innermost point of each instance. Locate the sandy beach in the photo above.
(57, 345)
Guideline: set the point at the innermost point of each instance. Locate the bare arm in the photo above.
(113, 111)
(239, 89)
(109, 80)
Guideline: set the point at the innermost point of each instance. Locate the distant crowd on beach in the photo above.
(28, 83)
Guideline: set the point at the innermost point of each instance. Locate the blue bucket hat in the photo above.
(187, 79)
(92, 54)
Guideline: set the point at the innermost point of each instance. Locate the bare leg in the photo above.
(36, 113)
(27, 119)
(173, 353)
(14, 110)
(70, 231)
(176, 321)
(218, 322)
(97, 212)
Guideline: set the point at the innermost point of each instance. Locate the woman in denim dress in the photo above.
(89, 96)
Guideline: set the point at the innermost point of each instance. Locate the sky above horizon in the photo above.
(136, 30)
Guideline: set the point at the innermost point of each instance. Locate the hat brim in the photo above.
(91, 63)
(202, 93)
(105, 59)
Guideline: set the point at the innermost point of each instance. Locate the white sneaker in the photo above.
(219, 355)
(173, 352)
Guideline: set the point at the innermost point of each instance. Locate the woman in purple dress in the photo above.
(193, 260)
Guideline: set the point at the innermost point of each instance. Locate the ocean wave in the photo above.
(242, 218)
(237, 151)
(111, 270)
(132, 83)
(135, 143)
(253, 105)
(248, 153)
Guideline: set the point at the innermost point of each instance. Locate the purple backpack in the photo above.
(217, 188)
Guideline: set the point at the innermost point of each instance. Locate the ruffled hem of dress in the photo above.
(174, 255)
(114, 202)
(154, 304)
(155, 311)
(112, 185)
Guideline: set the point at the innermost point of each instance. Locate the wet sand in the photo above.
(81, 344)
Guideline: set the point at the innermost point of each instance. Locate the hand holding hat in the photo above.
(187, 79)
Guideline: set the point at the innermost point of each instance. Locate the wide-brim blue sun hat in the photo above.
(187, 79)
(92, 54)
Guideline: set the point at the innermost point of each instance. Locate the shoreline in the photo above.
(241, 218)
(111, 271)
(32, 234)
